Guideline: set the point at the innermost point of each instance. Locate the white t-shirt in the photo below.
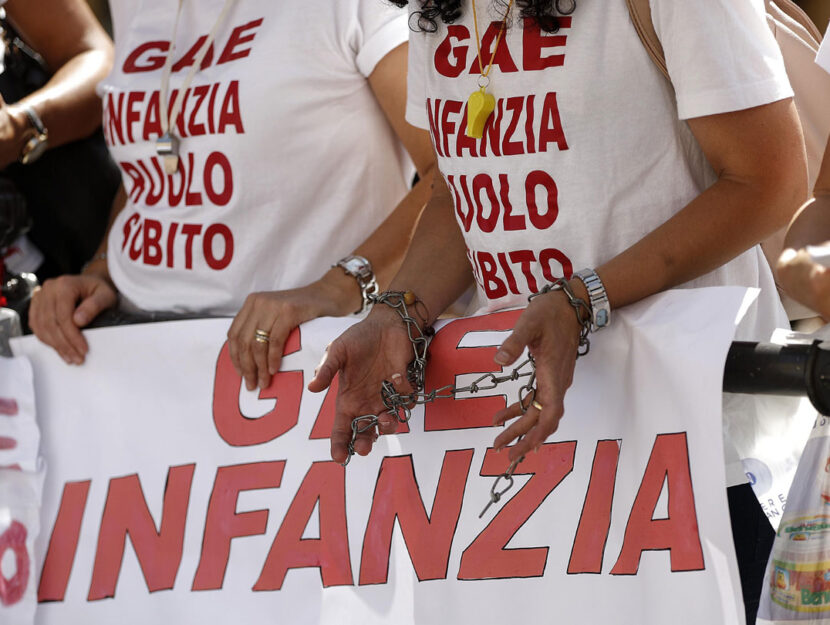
(287, 161)
(823, 58)
(587, 150)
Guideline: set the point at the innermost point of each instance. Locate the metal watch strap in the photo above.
(35, 121)
(598, 298)
(361, 270)
(36, 139)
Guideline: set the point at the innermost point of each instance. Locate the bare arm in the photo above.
(76, 48)
(760, 160)
(803, 279)
(336, 293)
(758, 155)
(436, 269)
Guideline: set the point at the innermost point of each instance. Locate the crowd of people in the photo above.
(282, 162)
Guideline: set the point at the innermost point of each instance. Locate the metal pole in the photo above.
(767, 369)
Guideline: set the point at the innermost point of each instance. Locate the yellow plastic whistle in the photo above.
(480, 106)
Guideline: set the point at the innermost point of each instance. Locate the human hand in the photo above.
(64, 305)
(277, 313)
(805, 280)
(549, 329)
(13, 125)
(376, 349)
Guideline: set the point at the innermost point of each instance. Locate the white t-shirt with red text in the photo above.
(588, 151)
(287, 161)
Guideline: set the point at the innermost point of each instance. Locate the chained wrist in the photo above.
(407, 305)
(581, 309)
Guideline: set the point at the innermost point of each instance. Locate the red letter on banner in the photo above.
(223, 523)
(448, 360)
(286, 387)
(486, 557)
(592, 532)
(63, 543)
(14, 540)
(325, 483)
(428, 538)
(669, 464)
(159, 552)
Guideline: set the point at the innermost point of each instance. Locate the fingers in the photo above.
(341, 434)
(332, 363)
(101, 298)
(364, 440)
(240, 336)
(387, 424)
(516, 343)
(52, 313)
(505, 414)
(248, 351)
(64, 315)
(536, 426)
(255, 358)
(234, 334)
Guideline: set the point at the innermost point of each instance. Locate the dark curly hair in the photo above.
(545, 12)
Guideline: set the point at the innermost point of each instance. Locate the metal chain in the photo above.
(400, 405)
(581, 308)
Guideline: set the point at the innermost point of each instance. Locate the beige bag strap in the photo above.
(640, 12)
(797, 14)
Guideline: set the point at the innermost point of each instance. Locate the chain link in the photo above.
(400, 405)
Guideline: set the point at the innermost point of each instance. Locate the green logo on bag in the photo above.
(809, 597)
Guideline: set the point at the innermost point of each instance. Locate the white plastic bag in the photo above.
(797, 582)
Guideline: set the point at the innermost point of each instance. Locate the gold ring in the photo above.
(536, 405)
(261, 336)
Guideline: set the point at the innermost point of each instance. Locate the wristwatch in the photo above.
(36, 137)
(600, 307)
(361, 270)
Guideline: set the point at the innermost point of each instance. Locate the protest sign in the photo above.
(174, 495)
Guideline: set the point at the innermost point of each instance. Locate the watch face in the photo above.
(33, 149)
(357, 267)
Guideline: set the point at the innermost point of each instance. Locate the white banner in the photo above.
(20, 492)
(175, 496)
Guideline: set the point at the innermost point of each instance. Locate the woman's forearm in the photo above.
(761, 180)
(811, 224)
(77, 51)
(68, 104)
(436, 267)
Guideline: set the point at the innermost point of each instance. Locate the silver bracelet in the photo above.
(361, 270)
(598, 298)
